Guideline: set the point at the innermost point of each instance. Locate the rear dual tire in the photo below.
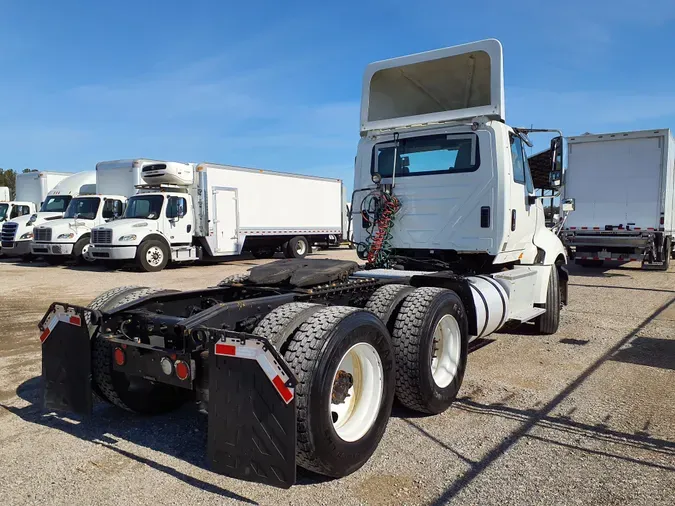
(430, 336)
(297, 247)
(343, 360)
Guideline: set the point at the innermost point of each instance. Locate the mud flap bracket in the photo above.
(66, 359)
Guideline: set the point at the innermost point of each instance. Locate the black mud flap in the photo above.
(66, 359)
(252, 411)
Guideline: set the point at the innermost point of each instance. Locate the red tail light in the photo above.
(662, 220)
(120, 357)
(182, 370)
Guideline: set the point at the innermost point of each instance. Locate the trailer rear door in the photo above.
(615, 180)
(225, 203)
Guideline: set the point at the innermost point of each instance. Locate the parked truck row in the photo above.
(154, 212)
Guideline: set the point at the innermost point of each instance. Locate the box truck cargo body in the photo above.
(623, 185)
(187, 212)
(17, 234)
(69, 237)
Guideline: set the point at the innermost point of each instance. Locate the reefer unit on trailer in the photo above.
(17, 234)
(623, 185)
(186, 212)
(69, 237)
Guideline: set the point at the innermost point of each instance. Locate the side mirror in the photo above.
(568, 205)
(557, 154)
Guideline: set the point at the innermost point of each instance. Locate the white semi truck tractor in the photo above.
(17, 234)
(298, 362)
(188, 212)
(30, 191)
(69, 238)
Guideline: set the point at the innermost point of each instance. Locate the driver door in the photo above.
(523, 217)
(179, 221)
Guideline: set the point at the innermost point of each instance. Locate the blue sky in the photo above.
(277, 84)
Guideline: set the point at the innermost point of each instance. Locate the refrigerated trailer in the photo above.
(623, 186)
(186, 212)
(298, 361)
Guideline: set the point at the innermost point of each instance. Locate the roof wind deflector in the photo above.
(460, 82)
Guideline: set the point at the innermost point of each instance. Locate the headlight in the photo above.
(66, 236)
(27, 235)
(131, 237)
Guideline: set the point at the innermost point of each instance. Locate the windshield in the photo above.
(149, 206)
(85, 208)
(3, 211)
(432, 154)
(55, 204)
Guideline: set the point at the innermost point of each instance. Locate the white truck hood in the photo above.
(68, 225)
(130, 226)
(26, 223)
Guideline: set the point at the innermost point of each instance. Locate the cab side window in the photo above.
(517, 159)
(19, 211)
(521, 167)
(176, 207)
(112, 208)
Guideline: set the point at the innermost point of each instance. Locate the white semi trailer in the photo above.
(17, 233)
(623, 186)
(31, 190)
(69, 237)
(187, 212)
(299, 363)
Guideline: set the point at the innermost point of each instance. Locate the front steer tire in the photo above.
(413, 339)
(313, 354)
(161, 251)
(140, 395)
(549, 322)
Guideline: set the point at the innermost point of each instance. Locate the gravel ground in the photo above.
(586, 416)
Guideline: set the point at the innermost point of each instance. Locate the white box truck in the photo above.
(31, 190)
(623, 186)
(187, 212)
(69, 237)
(17, 233)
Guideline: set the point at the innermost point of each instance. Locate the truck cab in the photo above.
(156, 227)
(459, 172)
(17, 234)
(68, 237)
(14, 209)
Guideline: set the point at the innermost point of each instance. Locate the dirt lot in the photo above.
(583, 417)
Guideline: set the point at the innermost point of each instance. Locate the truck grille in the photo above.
(101, 236)
(42, 234)
(8, 234)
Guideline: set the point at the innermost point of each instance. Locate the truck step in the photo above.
(527, 314)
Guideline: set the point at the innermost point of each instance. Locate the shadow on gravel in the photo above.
(542, 417)
(624, 288)
(600, 272)
(649, 351)
(181, 434)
